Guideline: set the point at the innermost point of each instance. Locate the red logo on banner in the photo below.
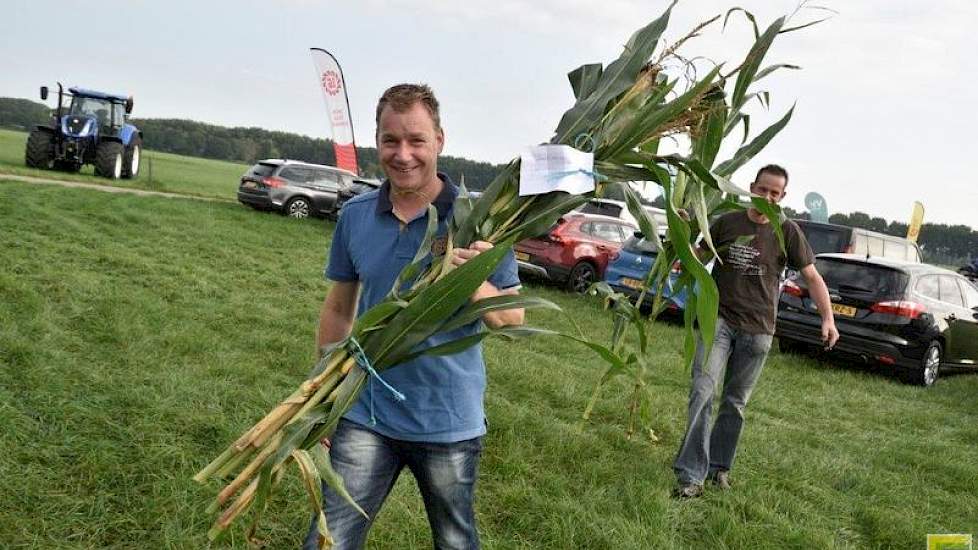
(331, 82)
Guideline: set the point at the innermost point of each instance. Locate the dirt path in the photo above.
(104, 188)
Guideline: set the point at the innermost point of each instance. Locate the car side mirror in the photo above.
(44, 93)
(129, 105)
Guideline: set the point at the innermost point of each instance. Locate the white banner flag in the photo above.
(330, 78)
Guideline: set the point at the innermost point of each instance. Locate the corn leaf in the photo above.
(421, 259)
(748, 15)
(702, 217)
(748, 70)
(476, 310)
(646, 223)
(550, 208)
(747, 152)
(615, 79)
(294, 434)
(706, 144)
(432, 306)
(377, 315)
(459, 345)
(770, 69)
(709, 299)
(470, 229)
(321, 463)
(584, 79)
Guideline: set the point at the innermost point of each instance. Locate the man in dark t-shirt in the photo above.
(747, 276)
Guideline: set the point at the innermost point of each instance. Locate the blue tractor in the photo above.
(89, 127)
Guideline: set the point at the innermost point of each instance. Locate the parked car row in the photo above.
(890, 308)
(299, 189)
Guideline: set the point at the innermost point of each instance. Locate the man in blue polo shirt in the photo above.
(436, 432)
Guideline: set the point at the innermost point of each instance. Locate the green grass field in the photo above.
(170, 173)
(140, 335)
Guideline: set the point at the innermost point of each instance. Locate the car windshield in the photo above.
(854, 277)
(825, 239)
(603, 208)
(638, 244)
(90, 106)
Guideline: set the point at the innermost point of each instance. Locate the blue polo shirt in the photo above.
(444, 395)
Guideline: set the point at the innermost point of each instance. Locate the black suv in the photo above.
(916, 317)
(297, 189)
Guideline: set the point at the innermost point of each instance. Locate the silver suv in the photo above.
(297, 189)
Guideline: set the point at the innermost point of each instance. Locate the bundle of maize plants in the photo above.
(621, 112)
(696, 188)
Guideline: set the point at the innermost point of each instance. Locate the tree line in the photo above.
(941, 243)
(198, 139)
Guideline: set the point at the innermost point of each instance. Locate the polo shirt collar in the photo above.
(443, 202)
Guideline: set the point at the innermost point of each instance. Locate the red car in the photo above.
(575, 251)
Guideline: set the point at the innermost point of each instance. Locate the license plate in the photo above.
(631, 283)
(249, 185)
(848, 311)
(523, 256)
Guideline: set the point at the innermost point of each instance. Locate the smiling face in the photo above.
(408, 143)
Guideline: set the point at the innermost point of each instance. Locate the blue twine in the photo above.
(558, 175)
(584, 139)
(361, 360)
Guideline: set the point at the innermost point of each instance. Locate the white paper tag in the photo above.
(546, 168)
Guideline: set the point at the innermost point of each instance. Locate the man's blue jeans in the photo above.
(370, 464)
(738, 357)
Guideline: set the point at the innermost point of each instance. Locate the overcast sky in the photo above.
(885, 100)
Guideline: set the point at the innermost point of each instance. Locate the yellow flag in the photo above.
(916, 220)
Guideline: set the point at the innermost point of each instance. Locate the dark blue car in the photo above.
(627, 271)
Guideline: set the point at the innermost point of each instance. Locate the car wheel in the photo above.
(930, 366)
(581, 277)
(791, 346)
(298, 207)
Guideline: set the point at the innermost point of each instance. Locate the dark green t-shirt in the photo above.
(749, 272)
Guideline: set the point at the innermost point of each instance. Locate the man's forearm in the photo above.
(499, 318)
(337, 314)
(331, 329)
(820, 294)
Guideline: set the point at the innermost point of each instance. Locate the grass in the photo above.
(139, 335)
(170, 173)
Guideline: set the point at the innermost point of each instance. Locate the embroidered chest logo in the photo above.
(439, 245)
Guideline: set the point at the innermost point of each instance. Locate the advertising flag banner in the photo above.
(329, 75)
(916, 221)
(818, 209)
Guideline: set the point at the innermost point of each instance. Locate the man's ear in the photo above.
(441, 140)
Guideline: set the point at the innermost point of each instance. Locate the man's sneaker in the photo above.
(722, 479)
(688, 490)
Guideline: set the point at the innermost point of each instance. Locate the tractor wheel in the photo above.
(108, 160)
(40, 150)
(130, 160)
